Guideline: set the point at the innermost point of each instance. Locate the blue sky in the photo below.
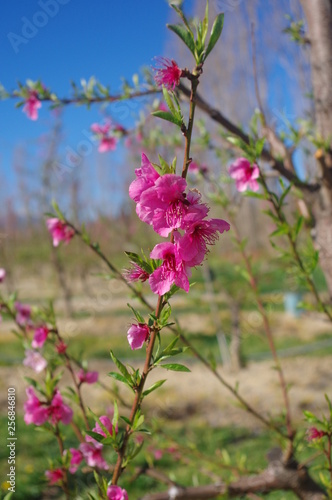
(62, 40)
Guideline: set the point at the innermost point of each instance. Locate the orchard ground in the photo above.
(201, 415)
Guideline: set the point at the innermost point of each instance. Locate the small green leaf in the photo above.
(185, 35)
(165, 115)
(175, 367)
(215, 33)
(137, 314)
(154, 387)
(120, 366)
(57, 210)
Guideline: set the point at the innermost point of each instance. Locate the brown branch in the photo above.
(275, 477)
(267, 156)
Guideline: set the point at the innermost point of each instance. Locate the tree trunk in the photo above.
(319, 19)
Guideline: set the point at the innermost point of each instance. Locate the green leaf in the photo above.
(284, 194)
(169, 101)
(137, 314)
(165, 115)
(283, 229)
(215, 33)
(115, 417)
(121, 367)
(154, 387)
(57, 210)
(185, 35)
(259, 146)
(182, 16)
(175, 367)
(298, 225)
(252, 194)
(119, 377)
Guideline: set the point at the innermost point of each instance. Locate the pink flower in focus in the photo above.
(35, 412)
(31, 106)
(135, 273)
(2, 275)
(172, 271)
(167, 73)
(245, 174)
(23, 313)
(76, 459)
(40, 337)
(59, 231)
(116, 493)
(137, 335)
(146, 178)
(61, 347)
(88, 377)
(314, 433)
(34, 360)
(192, 245)
(92, 455)
(54, 476)
(58, 411)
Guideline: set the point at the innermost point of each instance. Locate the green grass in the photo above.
(214, 449)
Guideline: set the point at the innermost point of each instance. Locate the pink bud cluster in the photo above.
(163, 203)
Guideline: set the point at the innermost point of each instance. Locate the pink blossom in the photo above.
(31, 106)
(92, 453)
(167, 73)
(41, 333)
(245, 174)
(135, 273)
(166, 206)
(58, 411)
(106, 423)
(146, 178)
(103, 133)
(23, 313)
(88, 377)
(100, 129)
(2, 275)
(137, 335)
(107, 144)
(59, 231)
(34, 360)
(158, 454)
(61, 347)
(172, 271)
(35, 411)
(192, 245)
(195, 169)
(116, 493)
(314, 433)
(54, 476)
(75, 460)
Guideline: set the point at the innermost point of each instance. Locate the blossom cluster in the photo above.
(163, 203)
